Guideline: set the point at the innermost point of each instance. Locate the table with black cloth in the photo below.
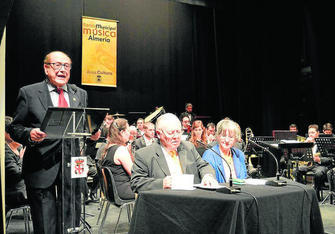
(290, 209)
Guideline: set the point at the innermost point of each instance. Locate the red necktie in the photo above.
(61, 99)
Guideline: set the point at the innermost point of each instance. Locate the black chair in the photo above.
(113, 197)
(26, 215)
(103, 199)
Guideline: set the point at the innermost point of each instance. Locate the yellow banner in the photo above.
(99, 41)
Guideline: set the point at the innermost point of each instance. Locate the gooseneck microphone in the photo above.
(276, 182)
(231, 188)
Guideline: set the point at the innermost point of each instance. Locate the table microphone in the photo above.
(276, 182)
(231, 189)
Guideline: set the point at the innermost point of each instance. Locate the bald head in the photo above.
(47, 57)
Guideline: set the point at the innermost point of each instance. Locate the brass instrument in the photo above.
(301, 138)
(154, 115)
(307, 164)
(248, 134)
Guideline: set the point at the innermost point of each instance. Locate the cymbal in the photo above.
(118, 115)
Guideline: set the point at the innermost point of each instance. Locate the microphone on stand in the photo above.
(231, 189)
(276, 182)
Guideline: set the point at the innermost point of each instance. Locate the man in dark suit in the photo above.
(148, 137)
(188, 112)
(155, 165)
(41, 163)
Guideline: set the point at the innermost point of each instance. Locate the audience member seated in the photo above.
(186, 127)
(155, 165)
(15, 189)
(139, 126)
(148, 137)
(198, 133)
(118, 157)
(320, 164)
(228, 133)
(210, 132)
(188, 112)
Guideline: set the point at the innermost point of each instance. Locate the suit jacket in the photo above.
(41, 160)
(150, 166)
(139, 143)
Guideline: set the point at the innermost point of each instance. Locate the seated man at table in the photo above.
(155, 165)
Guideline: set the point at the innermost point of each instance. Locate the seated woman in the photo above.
(227, 134)
(118, 157)
(198, 133)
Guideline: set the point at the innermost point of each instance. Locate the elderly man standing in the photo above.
(155, 165)
(41, 163)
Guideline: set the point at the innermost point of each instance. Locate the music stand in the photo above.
(68, 125)
(256, 139)
(284, 135)
(297, 151)
(326, 145)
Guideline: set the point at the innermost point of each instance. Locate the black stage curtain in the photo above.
(5, 8)
(229, 58)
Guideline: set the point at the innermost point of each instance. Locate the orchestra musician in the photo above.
(320, 165)
(188, 112)
(198, 133)
(118, 157)
(186, 127)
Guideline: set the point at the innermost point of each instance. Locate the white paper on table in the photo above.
(182, 182)
(255, 181)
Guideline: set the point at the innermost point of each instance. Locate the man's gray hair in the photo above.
(166, 118)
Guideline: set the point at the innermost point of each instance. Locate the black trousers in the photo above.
(320, 176)
(54, 209)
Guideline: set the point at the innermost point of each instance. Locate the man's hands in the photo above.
(209, 181)
(37, 135)
(167, 182)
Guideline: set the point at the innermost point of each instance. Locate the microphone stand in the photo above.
(228, 190)
(276, 182)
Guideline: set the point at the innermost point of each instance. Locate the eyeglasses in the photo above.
(58, 66)
(173, 133)
(227, 136)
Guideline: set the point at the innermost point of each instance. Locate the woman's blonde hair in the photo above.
(229, 124)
